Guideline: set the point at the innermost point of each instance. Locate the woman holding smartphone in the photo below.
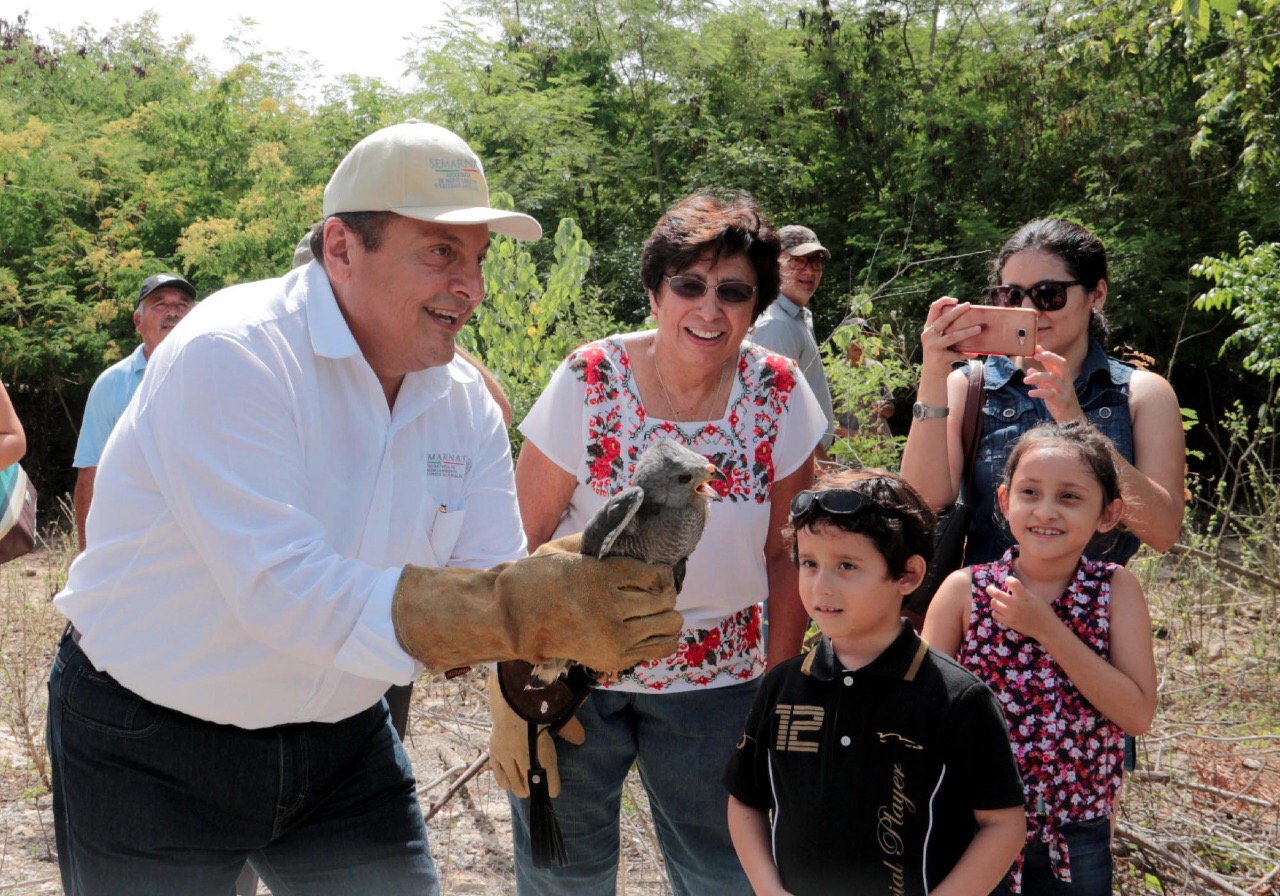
(1058, 268)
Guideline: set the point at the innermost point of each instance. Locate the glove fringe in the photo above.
(545, 840)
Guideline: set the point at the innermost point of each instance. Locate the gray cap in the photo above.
(157, 281)
(302, 252)
(798, 240)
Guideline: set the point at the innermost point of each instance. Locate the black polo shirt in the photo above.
(872, 777)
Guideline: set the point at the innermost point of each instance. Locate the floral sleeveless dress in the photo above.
(1069, 754)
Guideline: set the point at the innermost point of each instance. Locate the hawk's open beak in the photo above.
(704, 487)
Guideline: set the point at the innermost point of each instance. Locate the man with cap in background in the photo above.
(310, 499)
(786, 326)
(163, 300)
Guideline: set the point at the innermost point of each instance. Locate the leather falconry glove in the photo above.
(509, 745)
(606, 614)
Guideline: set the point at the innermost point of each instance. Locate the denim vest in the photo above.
(1103, 390)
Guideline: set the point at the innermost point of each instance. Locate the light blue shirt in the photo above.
(107, 400)
(787, 329)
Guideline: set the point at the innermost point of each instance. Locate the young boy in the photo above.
(871, 765)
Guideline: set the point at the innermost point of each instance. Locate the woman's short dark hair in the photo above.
(898, 537)
(368, 226)
(1081, 252)
(722, 225)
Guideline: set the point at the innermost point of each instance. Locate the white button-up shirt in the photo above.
(255, 503)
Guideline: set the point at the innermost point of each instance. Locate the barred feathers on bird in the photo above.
(659, 518)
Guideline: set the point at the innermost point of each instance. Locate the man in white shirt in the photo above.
(309, 499)
(163, 300)
(786, 327)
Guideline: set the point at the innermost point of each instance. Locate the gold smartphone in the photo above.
(1005, 331)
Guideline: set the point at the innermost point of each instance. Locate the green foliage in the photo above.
(914, 137)
(1243, 504)
(862, 392)
(119, 158)
(1247, 285)
(1240, 102)
(527, 325)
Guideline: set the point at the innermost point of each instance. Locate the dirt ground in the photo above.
(470, 834)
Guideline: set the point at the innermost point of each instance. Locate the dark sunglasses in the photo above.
(838, 502)
(733, 292)
(1047, 295)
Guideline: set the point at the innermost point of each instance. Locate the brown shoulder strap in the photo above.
(971, 429)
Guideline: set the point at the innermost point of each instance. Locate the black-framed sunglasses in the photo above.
(836, 501)
(1047, 295)
(733, 292)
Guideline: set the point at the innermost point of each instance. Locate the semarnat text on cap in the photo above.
(421, 171)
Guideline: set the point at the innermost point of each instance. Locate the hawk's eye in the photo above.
(686, 477)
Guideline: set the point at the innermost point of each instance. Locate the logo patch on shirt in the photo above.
(798, 728)
(448, 466)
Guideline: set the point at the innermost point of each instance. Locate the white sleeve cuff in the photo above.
(373, 650)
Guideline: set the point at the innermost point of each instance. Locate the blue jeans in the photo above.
(147, 800)
(1089, 848)
(680, 743)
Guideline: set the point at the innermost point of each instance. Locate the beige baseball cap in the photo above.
(799, 240)
(421, 171)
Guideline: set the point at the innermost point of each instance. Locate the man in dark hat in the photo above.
(163, 300)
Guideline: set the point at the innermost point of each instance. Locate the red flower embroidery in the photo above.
(783, 381)
(600, 468)
(696, 654)
(741, 447)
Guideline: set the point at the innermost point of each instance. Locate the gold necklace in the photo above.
(710, 406)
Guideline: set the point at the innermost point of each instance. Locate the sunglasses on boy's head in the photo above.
(1047, 295)
(734, 292)
(837, 502)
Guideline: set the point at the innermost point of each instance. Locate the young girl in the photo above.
(1065, 644)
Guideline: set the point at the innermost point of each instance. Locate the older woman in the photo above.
(710, 268)
(1060, 269)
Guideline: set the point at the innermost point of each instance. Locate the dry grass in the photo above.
(1201, 816)
(1203, 812)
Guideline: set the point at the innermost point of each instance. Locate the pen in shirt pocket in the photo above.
(431, 530)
